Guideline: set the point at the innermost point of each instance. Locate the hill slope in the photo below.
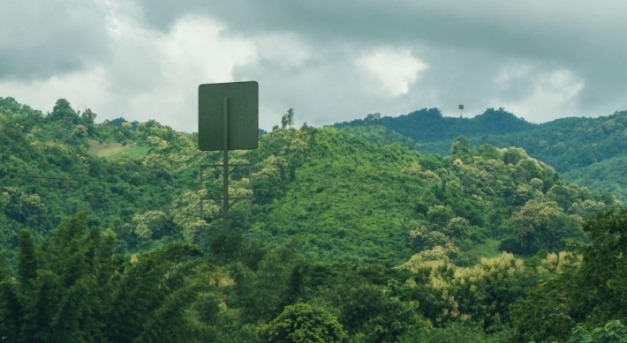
(370, 240)
(603, 175)
(351, 199)
(566, 144)
(343, 197)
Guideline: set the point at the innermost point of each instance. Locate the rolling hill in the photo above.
(108, 234)
(566, 144)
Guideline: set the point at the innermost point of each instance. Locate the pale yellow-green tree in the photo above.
(149, 224)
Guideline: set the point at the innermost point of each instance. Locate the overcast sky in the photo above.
(330, 60)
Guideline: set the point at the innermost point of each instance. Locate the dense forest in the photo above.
(588, 151)
(340, 234)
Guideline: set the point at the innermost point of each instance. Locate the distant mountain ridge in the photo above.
(570, 145)
(428, 125)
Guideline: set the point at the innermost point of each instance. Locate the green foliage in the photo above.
(545, 315)
(380, 134)
(80, 291)
(606, 175)
(46, 173)
(263, 293)
(430, 125)
(612, 332)
(589, 296)
(479, 295)
(225, 246)
(304, 323)
(467, 197)
(287, 119)
(603, 278)
(461, 149)
(27, 260)
(589, 150)
(542, 225)
(321, 185)
(346, 209)
(455, 334)
(372, 316)
(364, 238)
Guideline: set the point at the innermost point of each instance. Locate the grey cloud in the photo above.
(576, 35)
(478, 24)
(465, 45)
(317, 92)
(328, 89)
(43, 38)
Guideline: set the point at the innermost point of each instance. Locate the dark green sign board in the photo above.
(228, 114)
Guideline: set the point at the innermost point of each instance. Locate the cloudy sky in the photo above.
(330, 60)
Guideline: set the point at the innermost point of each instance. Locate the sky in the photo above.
(329, 60)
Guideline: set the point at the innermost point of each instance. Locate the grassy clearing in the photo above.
(132, 151)
(116, 150)
(105, 149)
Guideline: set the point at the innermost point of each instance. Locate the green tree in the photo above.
(457, 227)
(287, 119)
(371, 117)
(62, 110)
(461, 149)
(594, 295)
(156, 288)
(602, 283)
(88, 117)
(542, 225)
(440, 214)
(612, 332)
(27, 260)
(78, 290)
(546, 313)
(262, 294)
(11, 318)
(374, 316)
(303, 323)
(513, 155)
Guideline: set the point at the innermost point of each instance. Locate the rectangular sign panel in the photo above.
(241, 102)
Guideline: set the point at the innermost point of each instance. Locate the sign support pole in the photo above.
(225, 163)
(239, 127)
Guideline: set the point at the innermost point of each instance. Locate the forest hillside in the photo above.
(108, 232)
(578, 147)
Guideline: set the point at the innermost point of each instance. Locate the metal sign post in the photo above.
(225, 164)
(236, 129)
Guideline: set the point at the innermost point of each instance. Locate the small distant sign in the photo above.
(240, 100)
(461, 107)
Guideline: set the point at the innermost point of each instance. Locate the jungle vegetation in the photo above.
(340, 236)
(579, 148)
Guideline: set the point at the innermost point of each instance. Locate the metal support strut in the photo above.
(225, 173)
